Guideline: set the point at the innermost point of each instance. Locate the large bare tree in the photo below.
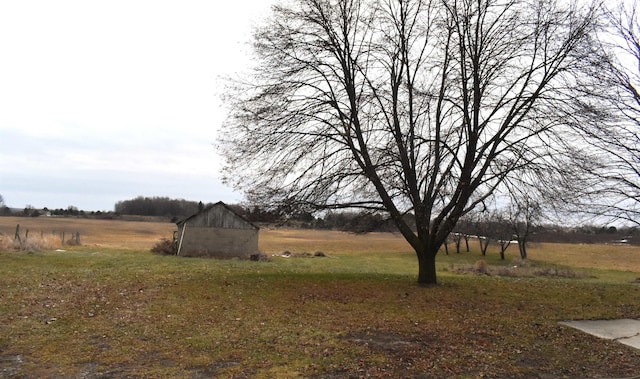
(411, 107)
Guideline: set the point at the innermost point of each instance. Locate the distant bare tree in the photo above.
(463, 230)
(502, 231)
(480, 226)
(523, 213)
(406, 106)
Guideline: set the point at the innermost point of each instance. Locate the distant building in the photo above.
(216, 231)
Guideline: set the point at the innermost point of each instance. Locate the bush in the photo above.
(480, 267)
(259, 258)
(165, 247)
(558, 273)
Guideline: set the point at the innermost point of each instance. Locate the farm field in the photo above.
(109, 308)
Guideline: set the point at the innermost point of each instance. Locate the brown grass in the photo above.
(604, 257)
(31, 243)
(330, 242)
(101, 233)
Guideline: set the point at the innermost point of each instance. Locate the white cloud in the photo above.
(115, 97)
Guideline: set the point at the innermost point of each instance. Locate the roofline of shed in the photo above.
(213, 205)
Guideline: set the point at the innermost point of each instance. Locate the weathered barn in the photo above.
(217, 231)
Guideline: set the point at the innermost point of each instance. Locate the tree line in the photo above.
(173, 209)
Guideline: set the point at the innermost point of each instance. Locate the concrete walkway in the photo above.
(626, 331)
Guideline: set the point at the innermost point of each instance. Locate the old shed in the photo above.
(217, 231)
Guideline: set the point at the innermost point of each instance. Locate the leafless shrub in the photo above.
(74, 240)
(558, 273)
(481, 267)
(518, 271)
(164, 247)
(259, 257)
(509, 272)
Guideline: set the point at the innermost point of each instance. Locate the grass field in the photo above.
(111, 309)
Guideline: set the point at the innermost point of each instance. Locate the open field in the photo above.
(134, 235)
(108, 233)
(111, 309)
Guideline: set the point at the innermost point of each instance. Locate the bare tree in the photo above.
(524, 212)
(405, 106)
(501, 230)
(615, 180)
(481, 227)
(462, 231)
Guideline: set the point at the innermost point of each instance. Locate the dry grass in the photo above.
(603, 257)
(330, 242)
(31, 243)
(522, 269)
(101, 233)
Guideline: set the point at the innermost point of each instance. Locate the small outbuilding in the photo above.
(217, 231)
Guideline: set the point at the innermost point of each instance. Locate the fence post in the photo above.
(17, 235)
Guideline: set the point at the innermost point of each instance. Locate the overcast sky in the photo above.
(102, 101)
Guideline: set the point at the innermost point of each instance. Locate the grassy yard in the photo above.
(111, 309)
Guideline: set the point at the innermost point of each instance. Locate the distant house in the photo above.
(216, 231)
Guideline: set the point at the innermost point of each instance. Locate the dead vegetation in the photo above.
(519, 269)
(29, 244)
(304, 254)
(164, 247)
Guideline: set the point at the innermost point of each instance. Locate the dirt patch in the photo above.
(10, 365)
(212, 370)
(96, 371)
(383, 341)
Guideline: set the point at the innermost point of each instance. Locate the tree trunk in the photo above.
(484, 246)
(503, 248)
(427, 276)
(523, 249)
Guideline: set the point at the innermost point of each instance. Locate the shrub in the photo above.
(259, 257)
(558, 273)
(165, 247)
(480, 267)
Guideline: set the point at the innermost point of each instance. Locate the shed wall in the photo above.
(202, 241)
